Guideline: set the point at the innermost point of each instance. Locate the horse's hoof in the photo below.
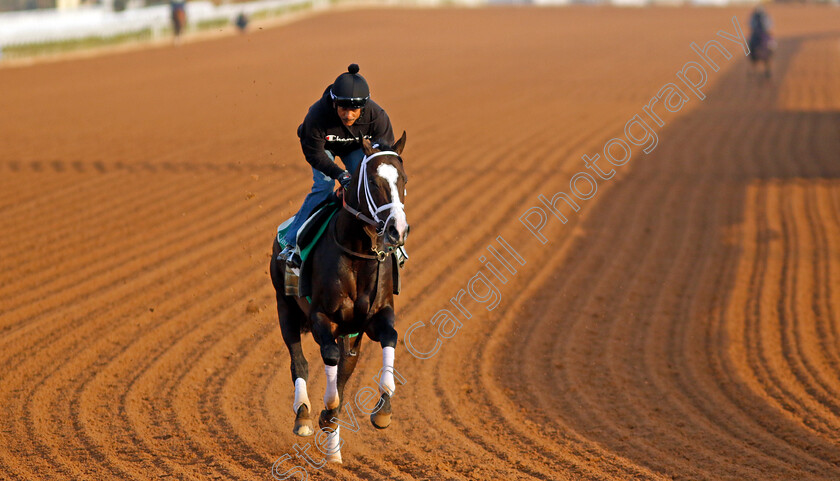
(303, 428)
(334, 458)
(325, 420)
(303, 423)
(381, 419)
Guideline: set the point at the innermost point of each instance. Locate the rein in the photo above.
(380, 255)
(356, 213)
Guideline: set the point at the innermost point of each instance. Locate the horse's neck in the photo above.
(351, 233)
(352, 236)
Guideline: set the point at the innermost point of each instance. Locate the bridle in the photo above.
(374, 210)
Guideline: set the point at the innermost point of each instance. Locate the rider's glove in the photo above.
(344, 179)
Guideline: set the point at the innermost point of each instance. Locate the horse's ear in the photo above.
(367, 148)
(398, 147)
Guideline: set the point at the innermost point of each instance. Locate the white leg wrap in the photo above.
(331, 394)
(333, 446)
(301, 397)
(386, 382)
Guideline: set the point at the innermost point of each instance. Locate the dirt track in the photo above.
(684, 325)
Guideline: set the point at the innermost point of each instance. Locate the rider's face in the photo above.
(348, 116)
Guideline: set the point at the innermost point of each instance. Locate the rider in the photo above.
(760, 22)
(178, 14)
(760, 38)
(332, 128)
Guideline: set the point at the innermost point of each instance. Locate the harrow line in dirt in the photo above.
(525, 193)
(29, 214)
(233, 228)
(792, 384)
(90, 447)
(745, 363)
(510, 423)
(816, 386)
(24, 189)
(580, 448)
(93, 264)
(634, 225)
(123, 403)
(104, 284)
(722, 416)
(720, 317)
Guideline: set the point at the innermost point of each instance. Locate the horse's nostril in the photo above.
(393, 232)
(407, 228)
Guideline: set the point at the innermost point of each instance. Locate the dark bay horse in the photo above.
(761, 51)
(761, 42)
(352, 291)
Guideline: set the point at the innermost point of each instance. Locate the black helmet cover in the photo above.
(350, 90)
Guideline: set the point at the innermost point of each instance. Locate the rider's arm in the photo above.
(312, 142)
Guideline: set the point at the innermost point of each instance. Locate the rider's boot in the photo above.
(289, 255)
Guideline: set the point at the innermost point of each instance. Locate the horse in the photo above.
(351, 293)
(761, 51)
(761, 42)
(178, 15)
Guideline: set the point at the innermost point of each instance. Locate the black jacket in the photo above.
(322, 130)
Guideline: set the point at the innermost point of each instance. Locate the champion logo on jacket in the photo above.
(336, 138)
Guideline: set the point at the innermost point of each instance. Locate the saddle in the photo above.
(298, 281)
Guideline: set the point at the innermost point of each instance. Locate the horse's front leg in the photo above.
(333, 362)
(346, 366)
(384, 332)
(330, 354)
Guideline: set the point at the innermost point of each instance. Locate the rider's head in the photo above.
(349, 94)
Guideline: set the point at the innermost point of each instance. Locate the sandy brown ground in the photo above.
(683, 325)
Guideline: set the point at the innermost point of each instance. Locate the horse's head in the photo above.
(379, 190)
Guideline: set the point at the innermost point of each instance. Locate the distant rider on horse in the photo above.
(761, 42)
(333, 127)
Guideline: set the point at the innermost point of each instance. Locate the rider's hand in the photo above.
(344, 179)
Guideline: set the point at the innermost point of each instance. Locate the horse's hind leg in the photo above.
(385, 333)
(290, 324)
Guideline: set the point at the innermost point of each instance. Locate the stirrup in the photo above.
(289, 255)
(294, 260)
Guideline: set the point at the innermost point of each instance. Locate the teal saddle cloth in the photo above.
(311, 230)
(298, 282)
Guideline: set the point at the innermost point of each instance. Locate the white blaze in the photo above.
(390, 174)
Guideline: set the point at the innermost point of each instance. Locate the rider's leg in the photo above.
(352, 160)
(321, 188)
